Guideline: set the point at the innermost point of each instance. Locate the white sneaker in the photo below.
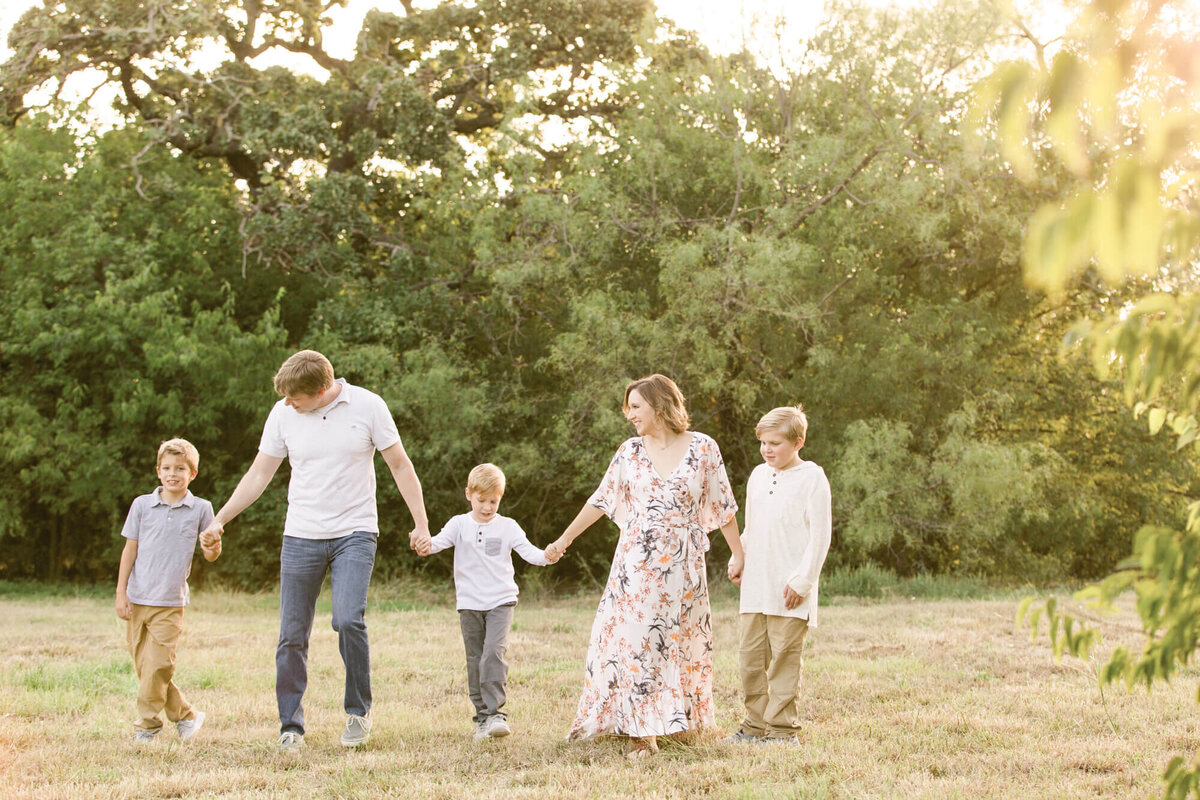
(290, 742)
(143, 736)
(481, 731)
(497, 727)
(189, 727)
(358, 729)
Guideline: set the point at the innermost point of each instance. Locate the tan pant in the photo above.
(153, 634)
(770, 655)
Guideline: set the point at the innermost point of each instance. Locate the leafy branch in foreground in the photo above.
(1118, 108)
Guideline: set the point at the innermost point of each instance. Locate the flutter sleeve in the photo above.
(612, 495)
(717, 503)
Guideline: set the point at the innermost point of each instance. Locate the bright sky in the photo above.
(774, 29)
(723, 25)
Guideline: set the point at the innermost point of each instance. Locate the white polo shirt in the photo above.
(483, 569)
(788, 529)
(331, 450)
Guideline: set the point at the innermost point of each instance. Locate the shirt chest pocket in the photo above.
(491, 546)
(177, 527)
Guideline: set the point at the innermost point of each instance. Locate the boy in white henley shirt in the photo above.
(788, 528)
(486, 591)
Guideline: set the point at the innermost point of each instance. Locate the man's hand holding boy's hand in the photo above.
(421, 542)
(790, 598)
(124, 610)
(211, 535)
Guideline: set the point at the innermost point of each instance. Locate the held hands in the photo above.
(421, 542)
(555, 550)
(736, 563)
(210, 537)
(210, 540)
(790, 598)
(211, 552)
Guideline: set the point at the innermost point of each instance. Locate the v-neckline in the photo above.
(664, 478)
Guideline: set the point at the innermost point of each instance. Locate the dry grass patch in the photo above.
(903, 699)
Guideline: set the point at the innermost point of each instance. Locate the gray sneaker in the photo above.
(787, 741)
(143, 736)
(358, 729)
(497, 727)
(741, 737)
(189, 727)
(290, 742)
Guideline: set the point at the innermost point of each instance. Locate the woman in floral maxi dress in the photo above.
(649, 662)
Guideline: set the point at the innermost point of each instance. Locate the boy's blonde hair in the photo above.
(307, 372)
(664, 397)
(788, 420)
(485, 478)
(179, 447)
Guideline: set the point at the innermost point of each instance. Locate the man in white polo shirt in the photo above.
(329, 430)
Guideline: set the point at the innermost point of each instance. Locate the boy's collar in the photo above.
(186, 500)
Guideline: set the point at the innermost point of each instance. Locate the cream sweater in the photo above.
(788, 527)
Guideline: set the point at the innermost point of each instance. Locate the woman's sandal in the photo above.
(643, 747)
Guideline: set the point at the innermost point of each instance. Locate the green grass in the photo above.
(905, 697)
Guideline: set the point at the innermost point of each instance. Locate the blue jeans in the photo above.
(303, 564)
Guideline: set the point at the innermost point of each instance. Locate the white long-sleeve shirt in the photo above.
(788, 528)
(483, 569)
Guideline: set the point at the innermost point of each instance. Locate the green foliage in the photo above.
(1118, 107)
(118, 331)
(825, 235)
(867, 581)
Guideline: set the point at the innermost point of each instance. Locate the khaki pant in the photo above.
(770, 656)
(153, 634)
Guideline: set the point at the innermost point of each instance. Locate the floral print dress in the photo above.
(649, 661)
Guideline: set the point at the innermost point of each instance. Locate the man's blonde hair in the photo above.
(664, 398)
(307, 372)
(788, 420)
(179, 447)
(485, 478)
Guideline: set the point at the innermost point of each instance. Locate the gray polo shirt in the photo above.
(166, 537)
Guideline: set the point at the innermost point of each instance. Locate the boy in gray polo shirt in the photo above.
(483, 542)
(160, 537)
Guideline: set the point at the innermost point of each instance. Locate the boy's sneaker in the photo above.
(290, 742)
(481, 730)
(142, 736)
(497, 727)
(358, 729)
(788, 741)
(189, 727)
(741, 737)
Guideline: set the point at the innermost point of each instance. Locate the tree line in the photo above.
(497, 214)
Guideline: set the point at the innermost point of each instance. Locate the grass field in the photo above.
(904, 698)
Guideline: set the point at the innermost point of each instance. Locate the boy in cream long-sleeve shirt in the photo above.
(486, 592)
(788, 528)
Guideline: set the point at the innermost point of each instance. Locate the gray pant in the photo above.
(485, 636)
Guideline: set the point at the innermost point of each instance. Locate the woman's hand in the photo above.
(556, 549)
(736, 563)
